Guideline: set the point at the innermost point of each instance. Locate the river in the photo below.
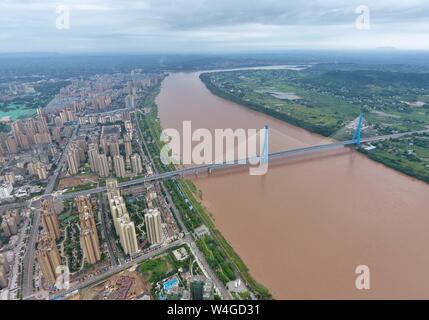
(303, 228)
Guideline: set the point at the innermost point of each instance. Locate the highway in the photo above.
(16, 205)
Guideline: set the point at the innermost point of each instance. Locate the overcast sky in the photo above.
(211, 25)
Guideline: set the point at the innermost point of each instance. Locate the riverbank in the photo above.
(204, 77)
(218, 252)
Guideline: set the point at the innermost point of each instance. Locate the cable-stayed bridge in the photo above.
(265, 157)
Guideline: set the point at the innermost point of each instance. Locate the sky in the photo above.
(183, 26)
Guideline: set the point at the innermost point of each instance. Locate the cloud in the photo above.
(207, 25)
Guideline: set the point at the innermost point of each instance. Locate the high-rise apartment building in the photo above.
(67, 115)
(128, 146)
(89, 240)
(4, 281)
(50, 219)
(124, 227)
(136, 164)
(9, 226)
(10, 144)
(82, 148)
(130, 101)
(4, 262)
(56, 134)
(73, 160)
(117, 210)
(127, 235)
(40, 171)
(119, 165)
(10, 222)
(153, 224)
(4, 269)
(31, 169)
(112, 189)
(114, 149)
(93, 157)
(103, 166)
(31, 131)
(48, 257)
(37, 169)
(9, 178)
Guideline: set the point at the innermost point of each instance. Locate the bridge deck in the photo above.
(225, 165)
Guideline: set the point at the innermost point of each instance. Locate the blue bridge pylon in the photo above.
(265, 149)
(357, 135)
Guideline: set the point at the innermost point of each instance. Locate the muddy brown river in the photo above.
(303, 228)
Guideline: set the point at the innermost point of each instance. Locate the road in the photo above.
(8, 206)
(29, 257)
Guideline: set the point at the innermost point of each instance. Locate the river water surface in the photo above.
(304, 227)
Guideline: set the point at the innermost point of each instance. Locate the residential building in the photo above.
(10, 224)
(119, 165)
(117, 210)
(153, 224)
(40, 171)
(89, 240)
(136, 164)
(103, 166)
(93, 157)
(50, 219)
(73, 160)
(4, 262)
(114, 149)
(128, 146)
(48, 258)
(127, 235)
(9, 178)
(112, 189)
